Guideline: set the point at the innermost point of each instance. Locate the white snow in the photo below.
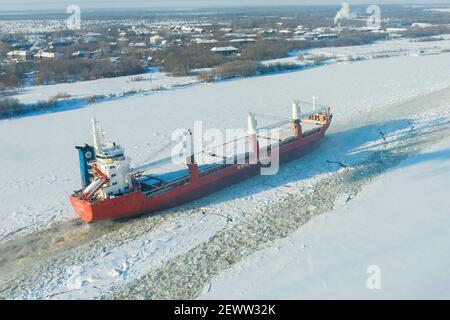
(388, 48)
(39, 166)
(400, 223)
(379, 49)
(133, 260)
(446, 10)
(112, 87)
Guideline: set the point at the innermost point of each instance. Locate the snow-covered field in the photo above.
(111, 87)
(400, 223)
(377, 50)
(39, 169)
(440, 10)
(389, 48)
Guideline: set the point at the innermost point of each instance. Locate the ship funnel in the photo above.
(251, 123)
(295, 110)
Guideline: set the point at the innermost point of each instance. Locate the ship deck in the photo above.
(217, 158)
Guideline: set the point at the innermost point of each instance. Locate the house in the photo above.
(243, 40)
(20, 55)
(114, 60)
(395, 31)
(92, 37)
(78, 54)
(327, 36)
(367, 29)
(199, 30)
(156, 40)
(187, 29)
(138, 45)
(226, 51)
(268, 32)
(47, 55)
(204, 41)
(421, 25)
(123, 41)
(97, 53)
(285, 32)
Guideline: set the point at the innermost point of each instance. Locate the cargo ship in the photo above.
(112, 189)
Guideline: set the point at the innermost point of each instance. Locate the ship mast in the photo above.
(296, 110)
(95, 136)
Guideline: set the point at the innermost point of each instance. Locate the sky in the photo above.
(24, 5)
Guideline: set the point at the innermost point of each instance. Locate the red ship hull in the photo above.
(136, 203)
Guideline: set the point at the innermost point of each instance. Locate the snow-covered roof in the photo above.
(200, 40)
(18, 53)
(47, 55)
(243, 40)
(224, 49)
(138, 45)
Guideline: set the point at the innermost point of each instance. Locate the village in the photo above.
(48, 52)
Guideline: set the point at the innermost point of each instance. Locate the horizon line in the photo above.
(206, 6)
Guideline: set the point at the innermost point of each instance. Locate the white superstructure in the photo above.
(112, 164)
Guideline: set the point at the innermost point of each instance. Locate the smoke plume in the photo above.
(344, 13)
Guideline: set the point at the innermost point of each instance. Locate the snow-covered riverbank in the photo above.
(107, 87)
(155, 81)
(400, 223)
(380, 49)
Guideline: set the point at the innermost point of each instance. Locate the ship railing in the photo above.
(318, 110)
(287, 141)
(214, 169)
(311, 132)
(284, 121)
